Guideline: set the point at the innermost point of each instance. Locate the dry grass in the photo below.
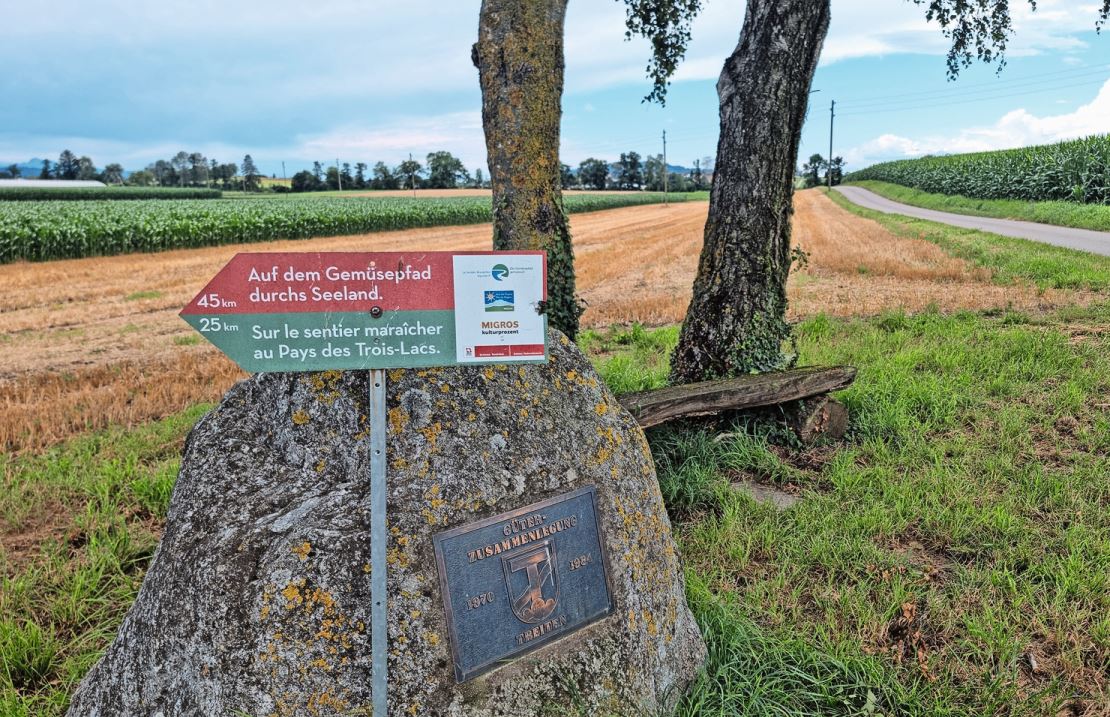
(44, 408)
(88, 342)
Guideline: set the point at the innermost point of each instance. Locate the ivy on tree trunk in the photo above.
(519, 56)
(736, 322)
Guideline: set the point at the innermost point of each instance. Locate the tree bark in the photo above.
(519, 56)
(651, 408)
(736, 321)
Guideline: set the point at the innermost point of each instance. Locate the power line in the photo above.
(1001, 84)
(1103, 75)
(967, 100)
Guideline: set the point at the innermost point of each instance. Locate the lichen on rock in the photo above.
(257, 601)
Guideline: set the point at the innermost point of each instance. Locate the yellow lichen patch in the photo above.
(601, 409)
(445, 388)
(321, 465)
(302, 550)
(524, 413)
(431, 433)
(300, 417)
(396, 374)
(398, 418)
(326, 703)
(432, 638)
(326, 385)
(396, 558)
(649, 621)
(471, 416)
(292, 594)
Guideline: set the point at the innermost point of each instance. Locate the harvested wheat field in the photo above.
(90, 342)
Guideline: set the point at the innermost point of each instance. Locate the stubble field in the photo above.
(88, 343)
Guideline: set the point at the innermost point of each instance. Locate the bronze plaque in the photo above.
(523, 579)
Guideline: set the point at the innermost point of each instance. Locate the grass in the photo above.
(960, 528)
(1008, 259)
(91, 512)
(958, 536)
(1064, 214)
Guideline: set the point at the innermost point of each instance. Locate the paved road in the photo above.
(1082, 239)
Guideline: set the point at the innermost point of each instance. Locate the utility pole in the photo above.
(832, 122)
(665, 198)
(338, 174)
(283, 169)
(412, 176)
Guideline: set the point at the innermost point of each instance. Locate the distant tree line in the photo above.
(632, 172)
(184, 169)
(440, 170)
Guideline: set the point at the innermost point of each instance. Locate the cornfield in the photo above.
(1077, 171)
(44, 230)
(39, 194)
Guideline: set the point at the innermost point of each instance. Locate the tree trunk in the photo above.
(519, 56)
(736, 321)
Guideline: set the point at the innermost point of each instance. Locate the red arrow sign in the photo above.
(274, 283)
(345, 310)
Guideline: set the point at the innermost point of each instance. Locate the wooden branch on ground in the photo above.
(650, 408)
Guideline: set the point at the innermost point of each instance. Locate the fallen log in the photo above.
(650, 408)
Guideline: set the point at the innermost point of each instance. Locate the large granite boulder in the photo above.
(257, 601)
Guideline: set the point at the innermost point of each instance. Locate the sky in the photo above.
(131, 81)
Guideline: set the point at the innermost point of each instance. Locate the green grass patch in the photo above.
(186, 340)
(1009, 259)
(139, 295)
(1060, 213)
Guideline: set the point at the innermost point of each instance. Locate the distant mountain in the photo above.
(29, 169)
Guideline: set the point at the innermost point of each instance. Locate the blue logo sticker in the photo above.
(499, 272)
(499, 300)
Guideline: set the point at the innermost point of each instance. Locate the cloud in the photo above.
(1017, 128)
(459, 133)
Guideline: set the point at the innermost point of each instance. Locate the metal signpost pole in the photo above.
(378, 537)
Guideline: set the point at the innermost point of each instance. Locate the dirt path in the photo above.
(88, 342)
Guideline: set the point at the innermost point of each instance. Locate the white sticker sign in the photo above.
(497, 304)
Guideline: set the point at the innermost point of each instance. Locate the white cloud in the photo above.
(459, 133)
(1017, 128)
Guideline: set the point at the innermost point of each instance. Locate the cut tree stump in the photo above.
(814, 418)
(650, 408)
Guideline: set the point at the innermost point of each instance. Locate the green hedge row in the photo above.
(74, 194)
(1077, 171)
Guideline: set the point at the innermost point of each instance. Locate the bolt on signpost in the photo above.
(376, 311)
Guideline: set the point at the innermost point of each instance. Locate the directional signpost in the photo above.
(376, 311)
